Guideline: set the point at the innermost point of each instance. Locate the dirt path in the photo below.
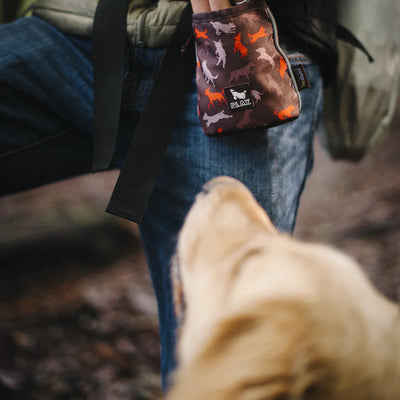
(356, 207)
(78, 316)
(78, 321)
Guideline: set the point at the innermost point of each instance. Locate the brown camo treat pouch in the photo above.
(244, 79)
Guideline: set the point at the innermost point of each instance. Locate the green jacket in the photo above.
(152, 22)
(148, 23)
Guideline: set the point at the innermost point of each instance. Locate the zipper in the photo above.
(141, 25)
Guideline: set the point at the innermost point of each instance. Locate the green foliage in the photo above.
(24, 5)
(11, 9)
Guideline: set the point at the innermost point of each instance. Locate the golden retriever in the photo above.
(269, 317)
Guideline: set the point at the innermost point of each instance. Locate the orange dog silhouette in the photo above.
(214, 97)
(286, 113)
(282, 68)
(261, 33)
(239, 46)
(201, 34)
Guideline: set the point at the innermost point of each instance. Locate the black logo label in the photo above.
(239, 97)
(300, 76)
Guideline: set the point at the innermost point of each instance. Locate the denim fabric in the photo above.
(273, 163)
(46, 97)
(45, 105)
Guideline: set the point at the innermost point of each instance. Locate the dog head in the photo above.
(269, 317)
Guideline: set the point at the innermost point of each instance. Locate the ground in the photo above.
(78, 317)
(356, 207)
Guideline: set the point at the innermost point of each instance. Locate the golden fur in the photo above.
(269, 317)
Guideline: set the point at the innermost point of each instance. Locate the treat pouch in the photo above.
(244, 79)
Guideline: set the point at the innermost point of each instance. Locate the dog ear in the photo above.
(267, 222)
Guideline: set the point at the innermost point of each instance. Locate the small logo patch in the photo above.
(239, 97)
(301, 77)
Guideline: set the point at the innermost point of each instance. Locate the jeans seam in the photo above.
(316, 108)
(309, 153)
(37, 143)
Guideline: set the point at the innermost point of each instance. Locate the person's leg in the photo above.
(45, 105)
(45, 135)
(46, 95)
(273, 163)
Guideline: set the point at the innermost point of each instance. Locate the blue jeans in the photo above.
(46, 94)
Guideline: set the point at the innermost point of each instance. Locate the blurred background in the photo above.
(78, 317)
(77, 313)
